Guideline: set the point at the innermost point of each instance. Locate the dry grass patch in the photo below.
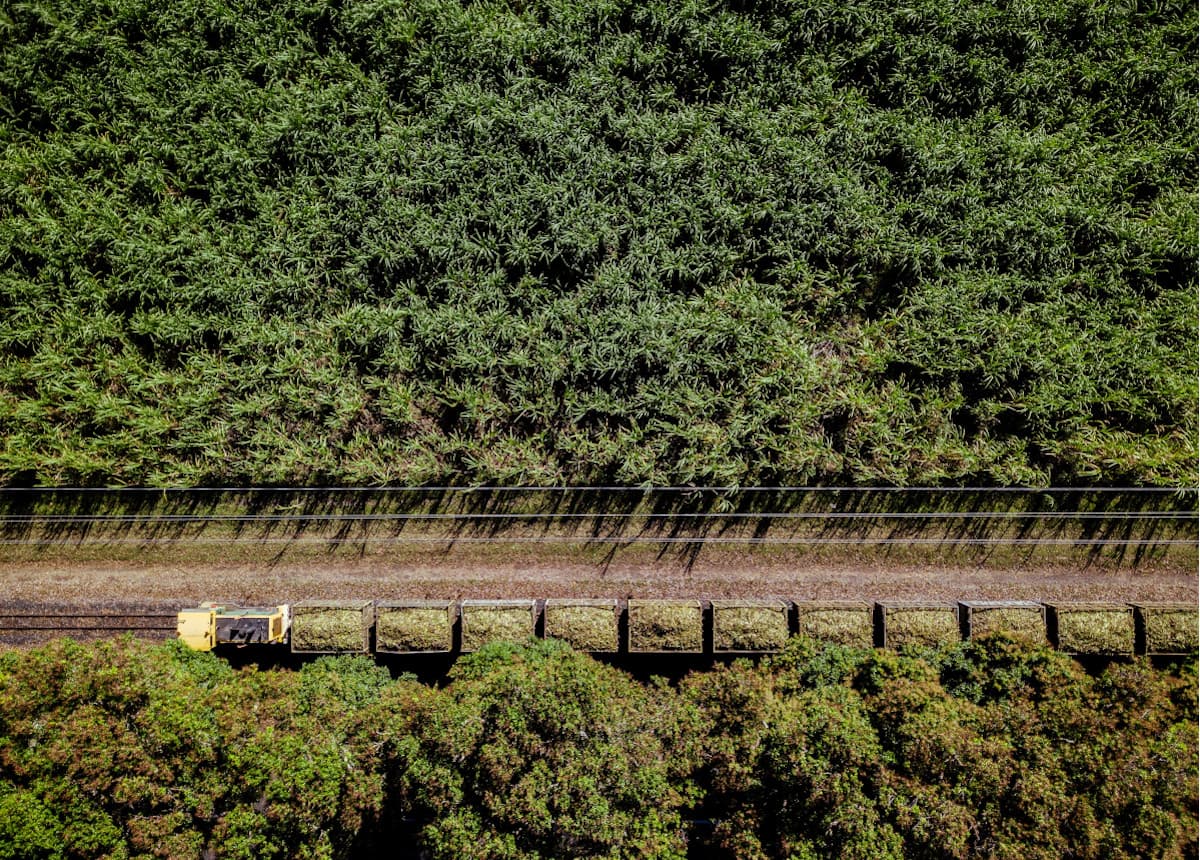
(1095, 628)
(666, 625)
(486, 621)
(332, 627)
(753, 625)
(586, 625)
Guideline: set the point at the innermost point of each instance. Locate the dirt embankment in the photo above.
(243, 574)
(290, 545)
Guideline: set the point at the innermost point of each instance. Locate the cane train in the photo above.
(213, 624)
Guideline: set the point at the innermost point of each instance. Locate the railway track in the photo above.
(640, 629)
(97, 562)
(32, 623)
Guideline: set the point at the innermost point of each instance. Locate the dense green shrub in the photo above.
(990, 749)
(541, 752)
(127, 750)
(781, 241)
(791, 774)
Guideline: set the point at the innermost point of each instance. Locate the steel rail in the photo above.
(162, 623)
(71, 519)
(607, 539)
(596, 488)
(5, 616)
(48, 626)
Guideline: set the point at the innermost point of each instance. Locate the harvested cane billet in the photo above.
(585, 625)
(847, 622)
(749, 626)
(1169, 628)
(666, 626)
(332, 626)
(924, 625)
(1094, 628)
(485, 621)
(414, 626)
(1022, 619)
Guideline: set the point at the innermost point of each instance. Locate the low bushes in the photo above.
(539, 751)
(127, 750)
(988, 748)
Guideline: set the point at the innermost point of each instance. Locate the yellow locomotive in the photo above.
(212, 624)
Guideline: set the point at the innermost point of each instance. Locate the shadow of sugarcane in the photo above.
(1125, 527)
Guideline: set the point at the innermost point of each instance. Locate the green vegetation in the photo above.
(987, 749)
(126, 750)
(541, 752)
(784, 241)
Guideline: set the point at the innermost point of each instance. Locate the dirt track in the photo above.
(727, 573)
(266, 546)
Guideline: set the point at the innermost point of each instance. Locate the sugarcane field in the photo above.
(533, 429)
